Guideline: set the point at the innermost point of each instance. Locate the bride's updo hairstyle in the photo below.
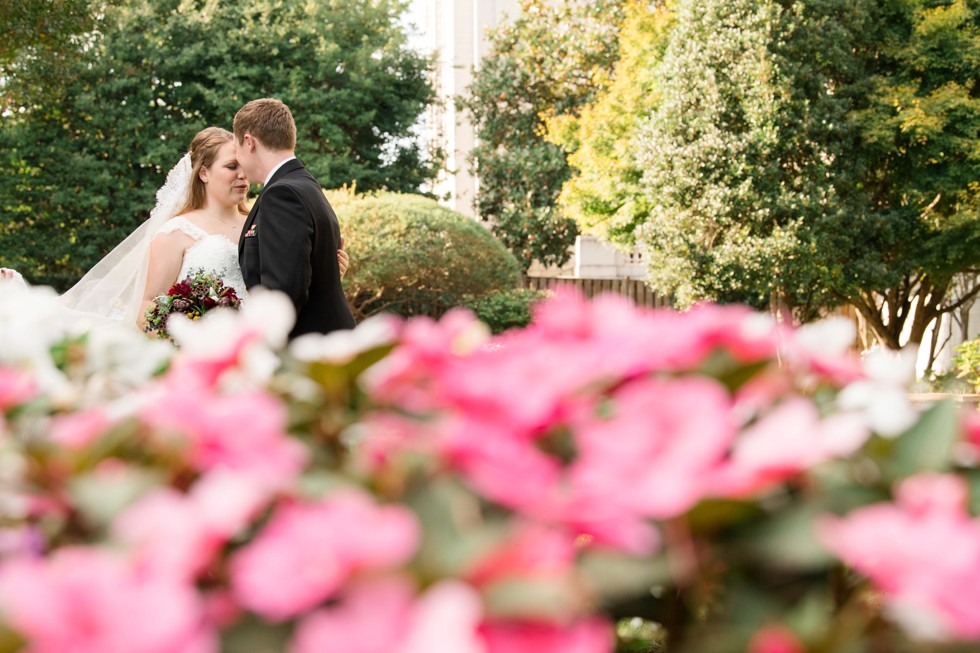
(204, 150)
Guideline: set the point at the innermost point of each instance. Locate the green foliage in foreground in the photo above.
(411, 256)
(79, 171)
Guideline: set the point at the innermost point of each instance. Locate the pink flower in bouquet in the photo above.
(245, 432)
(307, 551)
(923, 551)
(88, 601)
(385, 617)
(592, 635)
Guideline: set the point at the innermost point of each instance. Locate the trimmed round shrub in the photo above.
(506, 309)
(411, 256)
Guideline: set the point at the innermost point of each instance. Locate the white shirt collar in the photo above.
(274, 170)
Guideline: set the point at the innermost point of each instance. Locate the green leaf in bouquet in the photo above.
(927, 446)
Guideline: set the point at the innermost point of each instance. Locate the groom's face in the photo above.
(245, 153)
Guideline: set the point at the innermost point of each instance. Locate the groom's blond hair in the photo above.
(268, 120)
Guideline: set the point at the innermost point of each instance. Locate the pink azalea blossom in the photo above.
(923, 552)
(245, 432)
(307, 551)
(88, 601)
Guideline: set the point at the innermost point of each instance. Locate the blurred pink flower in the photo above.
(593, 635)
(307, 551)
(77, 430)
(16, 387)
(657, 450)
(386, 617)
(88, 601)
(775, 639)
(180, 534)
(788, 439)
(923, 552)
(533, 550)
(245, 432)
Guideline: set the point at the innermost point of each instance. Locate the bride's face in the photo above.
(227, 182)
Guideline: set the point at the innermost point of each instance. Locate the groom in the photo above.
(291, 236)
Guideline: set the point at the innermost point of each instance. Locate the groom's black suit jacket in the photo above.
(289, 243)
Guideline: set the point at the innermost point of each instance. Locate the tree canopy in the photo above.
(79, 171)
(551, 60)
(603, 194)
(807, 153)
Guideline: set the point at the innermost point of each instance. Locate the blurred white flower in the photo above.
(341, 346)
(883, 394)
(830, 336)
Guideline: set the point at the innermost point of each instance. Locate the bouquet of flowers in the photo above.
(194, 296)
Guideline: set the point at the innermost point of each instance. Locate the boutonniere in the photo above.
(251, 232)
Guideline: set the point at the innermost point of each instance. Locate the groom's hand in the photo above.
(342, 261)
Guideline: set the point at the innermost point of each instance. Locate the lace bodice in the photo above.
(212, 253)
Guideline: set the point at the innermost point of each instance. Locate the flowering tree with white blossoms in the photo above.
(707, 478)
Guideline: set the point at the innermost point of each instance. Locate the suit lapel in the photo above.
(285, 169)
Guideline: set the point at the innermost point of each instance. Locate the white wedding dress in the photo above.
(212, 253)
(112, 291)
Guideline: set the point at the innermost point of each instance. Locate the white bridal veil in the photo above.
(114, 287)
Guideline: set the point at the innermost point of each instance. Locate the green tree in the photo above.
(551, 60)
(79, 173)
(42, 33)
(915, 223)
(807, 153)
(604, 195)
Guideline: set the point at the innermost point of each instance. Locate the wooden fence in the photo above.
(636, 290)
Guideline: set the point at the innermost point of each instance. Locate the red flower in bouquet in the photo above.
(193, 296)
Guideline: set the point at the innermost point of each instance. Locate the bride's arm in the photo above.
(165, 257)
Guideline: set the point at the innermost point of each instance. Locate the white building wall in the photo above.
(456, 31)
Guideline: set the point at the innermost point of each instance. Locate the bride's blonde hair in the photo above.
(204, 150)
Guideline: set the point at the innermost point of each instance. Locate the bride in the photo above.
(195, 225)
